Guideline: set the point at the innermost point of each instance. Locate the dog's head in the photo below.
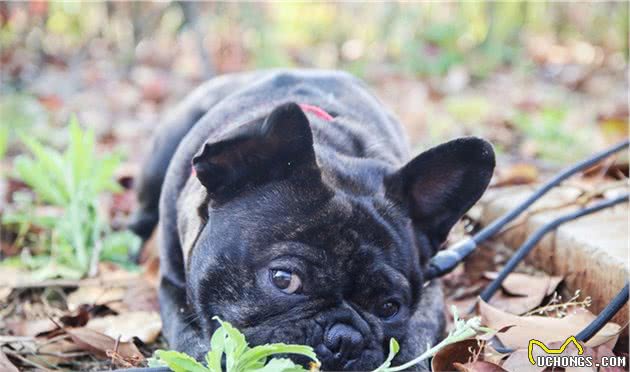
(290, 253)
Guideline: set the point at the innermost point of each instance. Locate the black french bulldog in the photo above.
(289, 208)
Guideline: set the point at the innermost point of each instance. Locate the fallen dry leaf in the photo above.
(111, 275)
(38, 327)
(521, 292)
(596, 353)
(141, 324)
(603, 351)
(99, 345)
(488, 336)
(478, 366)
(11, 277)
(34, 327)
(151, 263)
(463, 306)
(490, 354)
(544, 329)
(148, 253)
(458, 352)
(58, 346)
(122, 292)
(141, 297)
(6, 365)
(92, 295)
(4, 293)
(571, 350)
(518, 284)
(517, 174)
(55, 351)
(518, 361)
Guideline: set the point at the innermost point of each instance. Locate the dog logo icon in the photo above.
(547, 350)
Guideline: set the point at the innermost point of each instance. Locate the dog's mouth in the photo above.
(364, 359)
(340, 345)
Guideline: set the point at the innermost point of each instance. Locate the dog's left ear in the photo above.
(441, 184)
(257, 153)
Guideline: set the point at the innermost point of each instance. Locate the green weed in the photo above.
(230, 344)
(71, 183)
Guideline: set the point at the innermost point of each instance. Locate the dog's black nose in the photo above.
(344, 341)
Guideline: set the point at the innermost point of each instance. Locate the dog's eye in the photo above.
(388, 309)
(286, 281)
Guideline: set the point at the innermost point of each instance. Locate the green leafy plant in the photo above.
(227, 342)
(70, 182)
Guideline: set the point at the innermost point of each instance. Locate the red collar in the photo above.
(317, 111)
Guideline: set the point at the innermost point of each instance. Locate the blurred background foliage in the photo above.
(546, 82)
(543, 80)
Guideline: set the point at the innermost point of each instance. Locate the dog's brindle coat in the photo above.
(297, 229)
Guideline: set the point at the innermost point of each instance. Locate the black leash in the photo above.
(604, 317)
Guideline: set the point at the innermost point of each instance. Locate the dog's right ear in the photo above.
(257, 153)
(438, 186)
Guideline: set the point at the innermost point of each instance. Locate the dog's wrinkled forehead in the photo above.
(327, 225)
(286, 210)
(315, 216)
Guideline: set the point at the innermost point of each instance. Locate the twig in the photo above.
(53, 340)
(68, 355)
(45, 283)
(606, 167)
(93, 282)
(481, 344)
(17, 355)
(115, 351)
(13, 339)
(60, 326)
(556, 304)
